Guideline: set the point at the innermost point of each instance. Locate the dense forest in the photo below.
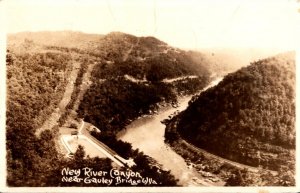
(249, 117)
(35, 85)
(145, 58)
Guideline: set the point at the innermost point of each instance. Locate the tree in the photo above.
(79, 156)
(235, 179)
(80, 153)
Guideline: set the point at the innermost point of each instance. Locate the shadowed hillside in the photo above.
(249, 117)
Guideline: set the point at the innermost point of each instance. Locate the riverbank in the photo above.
(209, 168)
(215, 168)
(233, 173)
(147, 133)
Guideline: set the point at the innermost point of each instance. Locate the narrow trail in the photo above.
(85, 85)
(54, 117)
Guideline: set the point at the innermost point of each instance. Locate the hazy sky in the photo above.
(181, 23)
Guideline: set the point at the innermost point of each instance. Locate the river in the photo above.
(147, 134)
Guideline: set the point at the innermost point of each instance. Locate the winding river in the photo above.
(147, 134)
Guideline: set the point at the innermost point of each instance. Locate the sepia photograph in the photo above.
(185, 95)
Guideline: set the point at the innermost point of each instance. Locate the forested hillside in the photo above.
(35, 85)
(144, 57)
(130, 80)
(249, 117)
(37, 76)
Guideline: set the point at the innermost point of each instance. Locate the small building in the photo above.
(74, 133)
(95, 129)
